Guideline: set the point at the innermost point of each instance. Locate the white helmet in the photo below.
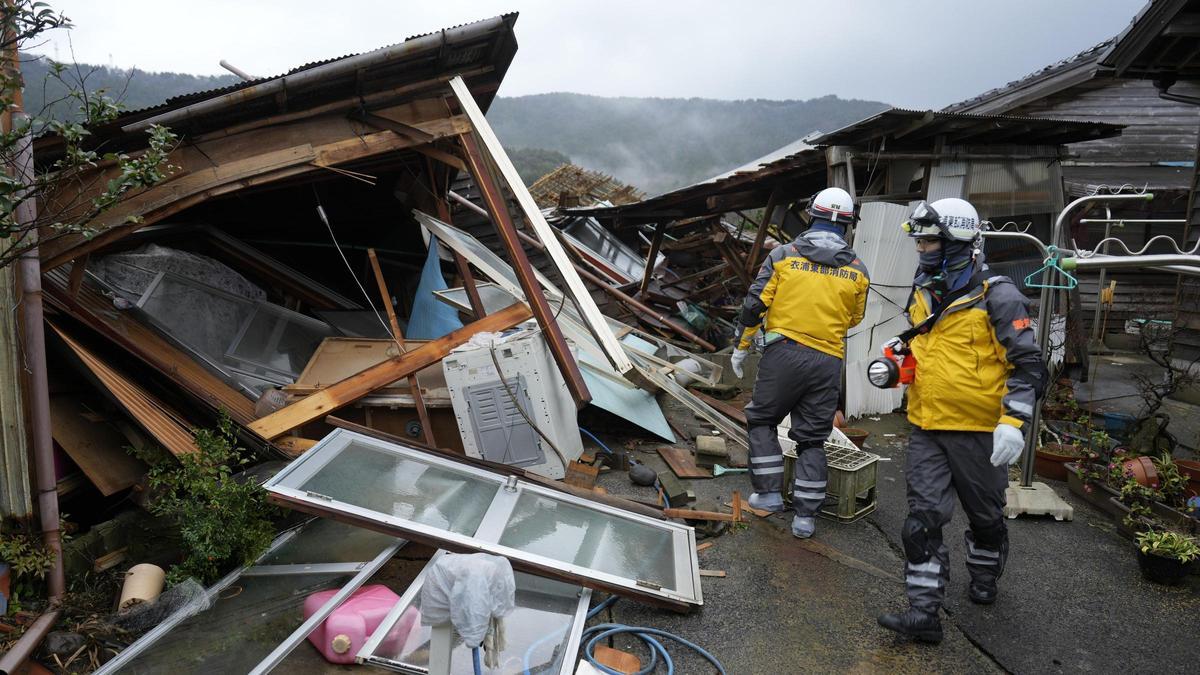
(950, 218)
(832, 204)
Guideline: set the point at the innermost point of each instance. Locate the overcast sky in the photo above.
(914, 53)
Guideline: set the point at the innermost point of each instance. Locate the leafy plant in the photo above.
(223, 522)
(67, 202)
(1168, 544)
(29, 561)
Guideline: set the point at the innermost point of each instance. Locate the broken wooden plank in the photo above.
(622, 662)
(681, 463)
(96, 447)
(750, 509)
(724, 407)
(720, 574)
(704, 546)
(581, 475)
(164, 424)
(294, 446)
(356, 386)
(692, 514)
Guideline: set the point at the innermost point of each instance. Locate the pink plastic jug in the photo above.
(347, 629)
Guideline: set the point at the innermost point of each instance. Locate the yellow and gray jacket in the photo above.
(811, 291)
(979, 365)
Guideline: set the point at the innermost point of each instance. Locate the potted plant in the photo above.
(1164, 556)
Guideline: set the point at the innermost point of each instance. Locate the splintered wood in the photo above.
(682, 464)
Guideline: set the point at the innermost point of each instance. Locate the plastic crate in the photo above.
(853, 473)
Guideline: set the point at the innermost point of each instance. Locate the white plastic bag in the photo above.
(468, 591)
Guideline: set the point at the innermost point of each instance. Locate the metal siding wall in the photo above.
(15, 491)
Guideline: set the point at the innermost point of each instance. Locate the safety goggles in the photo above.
(923, 222)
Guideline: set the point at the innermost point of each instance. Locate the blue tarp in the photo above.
(431, 318)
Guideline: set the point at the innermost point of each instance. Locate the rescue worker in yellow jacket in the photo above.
(978, 376)
(807, 294)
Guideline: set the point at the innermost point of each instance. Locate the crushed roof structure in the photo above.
(571, 185)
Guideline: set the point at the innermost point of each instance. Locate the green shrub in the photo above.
(223, 522)
(1169, 545)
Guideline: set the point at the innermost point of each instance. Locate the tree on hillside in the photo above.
(22, 22)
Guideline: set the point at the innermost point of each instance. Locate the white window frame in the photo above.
(288, 484)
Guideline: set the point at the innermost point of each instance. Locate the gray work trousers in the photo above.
(805, 383)
(939, 465)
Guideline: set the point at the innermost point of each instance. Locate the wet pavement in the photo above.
(1072, 598)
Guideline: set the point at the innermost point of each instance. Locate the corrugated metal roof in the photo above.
(1090, 55)
(185, 99)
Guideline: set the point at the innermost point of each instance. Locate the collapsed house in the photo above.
(293, 266)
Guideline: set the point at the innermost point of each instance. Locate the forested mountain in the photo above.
(658, 144)
(655, 144)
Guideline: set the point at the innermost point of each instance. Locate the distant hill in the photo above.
(658, 144)
(655, 144)
(133, 88)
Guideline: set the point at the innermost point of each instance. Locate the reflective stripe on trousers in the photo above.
(939, 466)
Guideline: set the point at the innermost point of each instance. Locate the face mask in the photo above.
(958, 253)
(931, 261)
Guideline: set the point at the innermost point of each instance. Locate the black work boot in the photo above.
(915, 624)
(982, 592)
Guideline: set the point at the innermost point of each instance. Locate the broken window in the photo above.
(411, 493)
(256, 614)
(541, 634)
(255, 344)
(616, 258)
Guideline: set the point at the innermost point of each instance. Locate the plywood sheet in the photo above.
(340, 357)
(96, 446)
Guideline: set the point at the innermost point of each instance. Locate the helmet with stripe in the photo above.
(832, 204)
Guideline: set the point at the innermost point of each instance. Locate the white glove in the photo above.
(1007, 444)
(895, 343)
(735, 362)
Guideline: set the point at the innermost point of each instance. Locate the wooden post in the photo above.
(660, 231)
(78, 267)
(414, 387)
(498, 211)
(761, 236)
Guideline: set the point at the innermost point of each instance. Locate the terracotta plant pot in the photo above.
(1192, 471)
(856, 436)
(1162, 570)
(1051, 460)
(1143, 470)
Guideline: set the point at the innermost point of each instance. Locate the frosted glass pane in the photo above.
(536, 632)
(279, 342)
(589, 538)
(406, 488)
(175, 305)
